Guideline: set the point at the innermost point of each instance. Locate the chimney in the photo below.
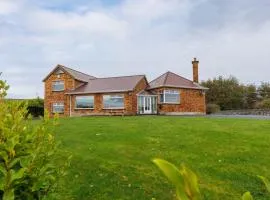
(195, 64)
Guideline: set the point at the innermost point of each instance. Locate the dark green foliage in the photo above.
(35, 111)
(250, 97)
(212, 108)
(35, 107)
(229, 94)
(264, 89)
(264, 104)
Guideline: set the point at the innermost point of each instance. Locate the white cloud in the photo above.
(8, 6)
(134, 37)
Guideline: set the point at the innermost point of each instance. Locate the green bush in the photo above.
(212, 108)
(31, 161)
(264, 104)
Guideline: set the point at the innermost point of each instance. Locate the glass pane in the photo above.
(140, 104)
(161, 98)
(172, 98)
(154, 104)
(113, 101)
(84, 102)
(58, 85)
(58, 107)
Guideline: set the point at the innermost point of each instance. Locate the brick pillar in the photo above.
(195, 64)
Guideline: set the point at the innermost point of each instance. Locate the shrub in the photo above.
(264, 104)
(212, 108)
(31, 161)
(35, 107)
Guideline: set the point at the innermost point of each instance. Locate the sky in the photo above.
(125, 37)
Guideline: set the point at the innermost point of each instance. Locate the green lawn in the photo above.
(112, 156)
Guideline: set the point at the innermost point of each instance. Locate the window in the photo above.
(84, 102)
(113, 101)
(58, 107)
(170, 96)
(58, 86)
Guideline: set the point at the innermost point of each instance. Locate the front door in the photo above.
(147, 105)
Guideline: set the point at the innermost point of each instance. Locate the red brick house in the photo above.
(73, 93)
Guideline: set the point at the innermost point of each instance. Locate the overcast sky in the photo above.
(124, 37)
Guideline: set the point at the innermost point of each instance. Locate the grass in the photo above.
(112, 156)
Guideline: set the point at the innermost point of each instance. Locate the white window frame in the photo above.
(85, 108)
(119, 96)
(58, 83)
(58, 104)
(170, 91)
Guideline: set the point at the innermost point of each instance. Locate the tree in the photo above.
(228, 93)
(31, 161)
(264, 90)
(251, 96)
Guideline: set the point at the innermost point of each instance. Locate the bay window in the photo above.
(113, 101)
(170, 96)
(84, 102)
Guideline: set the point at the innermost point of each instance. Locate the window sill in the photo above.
(170, 103)
(120, 108)
(84, 108)
(58, 90)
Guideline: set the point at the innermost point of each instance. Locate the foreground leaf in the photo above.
(247, 196)
(266, 182)
(174, 175)
(191, 183)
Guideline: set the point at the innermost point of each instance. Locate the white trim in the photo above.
(70, 105)
(169, 91)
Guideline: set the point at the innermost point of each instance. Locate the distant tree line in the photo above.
(35, 106)
(230, 94)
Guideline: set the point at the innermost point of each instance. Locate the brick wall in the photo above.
(51, 97)
(191, 101)
(130, 103)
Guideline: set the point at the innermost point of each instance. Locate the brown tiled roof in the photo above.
(78, 75)
(170, 79)
(110, 84)
(74, 73)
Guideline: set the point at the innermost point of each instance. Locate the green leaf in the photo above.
(247, 196)
(8, 195)
(266, 182)
(174, 175)
(2, 169)
(15, 175)
(191, 183)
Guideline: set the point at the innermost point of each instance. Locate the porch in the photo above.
(147, 103)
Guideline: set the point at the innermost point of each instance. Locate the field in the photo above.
(112, 156)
